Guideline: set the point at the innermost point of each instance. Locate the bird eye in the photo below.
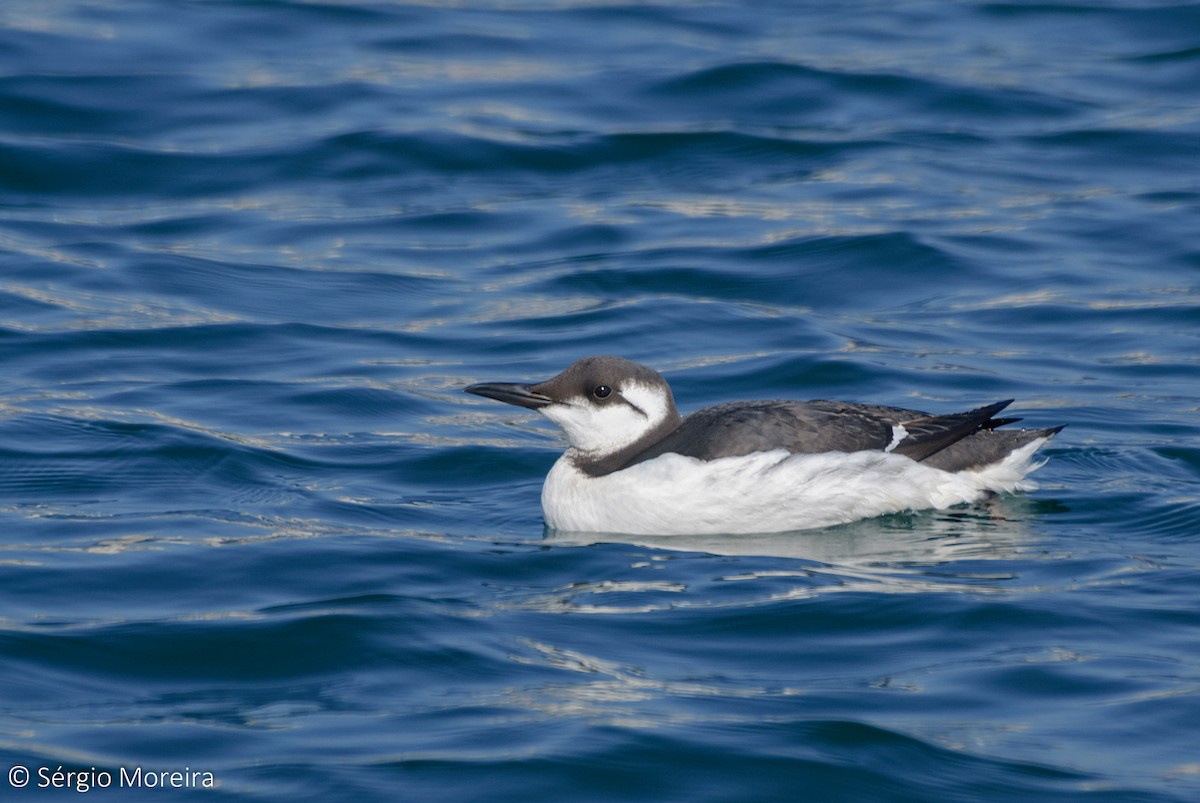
(602, 391)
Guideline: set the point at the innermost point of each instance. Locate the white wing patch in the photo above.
(899, 433)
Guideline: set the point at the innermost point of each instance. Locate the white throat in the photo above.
(598, 430)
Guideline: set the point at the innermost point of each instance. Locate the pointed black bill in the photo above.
(511, 393)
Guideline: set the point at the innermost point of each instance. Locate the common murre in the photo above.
(636, 466)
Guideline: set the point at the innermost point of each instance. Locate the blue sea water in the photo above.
(251, 528)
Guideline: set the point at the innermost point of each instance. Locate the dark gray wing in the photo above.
(741, 428)
(932, 433)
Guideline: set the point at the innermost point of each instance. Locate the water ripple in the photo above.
(251, 253)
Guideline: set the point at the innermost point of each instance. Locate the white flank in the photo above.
(764, 492)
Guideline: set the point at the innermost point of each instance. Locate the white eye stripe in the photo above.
(649, 402)
(636, 409)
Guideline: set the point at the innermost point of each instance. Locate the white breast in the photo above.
(763, 492)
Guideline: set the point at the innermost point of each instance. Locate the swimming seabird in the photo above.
(636, 466)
